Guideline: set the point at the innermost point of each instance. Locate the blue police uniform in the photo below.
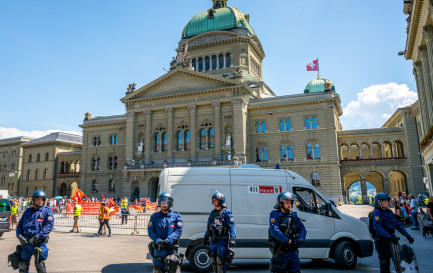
(384, 224)
(166, 227)
(287, 255)
(219, 244)
(39, 223)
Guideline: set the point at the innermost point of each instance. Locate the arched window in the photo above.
(95, 163)
(207, 136)
(212, 138)
(47, 156)
(3, 180)
(38, 158)
(316, 151)
(387, 149)
(94, 186)
(113, 140)
(399, 152)
(37, 174)
(262, 154)
(46, 174)
(157, 142)
(180, 145)
(376, 151)
(285, 125)
(221, 61)
(30, 158)
(287, 153)
(214, 62)
(67, 167)
(111, 185)
(194, 64)
(112, 162)
(62, 167)
(354, 151)
(188, 140)
(77, 166)
(164, 141)
(207, 63)
(97, 141)
(200, 64)
(315, 179)
(202, 138)
(228, 60)
(344, 149)
(29, 173)
(365, 151)
(310, 154)
(314, 122)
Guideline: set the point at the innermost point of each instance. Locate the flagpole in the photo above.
(318, 68)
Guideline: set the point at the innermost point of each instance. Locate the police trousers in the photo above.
(285, 262)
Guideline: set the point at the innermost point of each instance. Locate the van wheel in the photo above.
(1, 234)
(199, 259)
(345, 255)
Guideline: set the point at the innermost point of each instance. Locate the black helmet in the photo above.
(165, 197)
(222, 199)
(39, 194)
(379, 198)
(282, 197)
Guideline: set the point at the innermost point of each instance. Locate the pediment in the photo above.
(180, 81)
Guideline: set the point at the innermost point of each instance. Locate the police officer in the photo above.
(286, 234)
(124, 210)
(384, 225)
(33, 229)
(165, 229)
(220, 234)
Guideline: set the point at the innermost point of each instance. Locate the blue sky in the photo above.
(60, 59)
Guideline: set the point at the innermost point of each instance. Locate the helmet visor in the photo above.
(165, 203)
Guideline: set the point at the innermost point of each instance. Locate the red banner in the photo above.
(88, 208)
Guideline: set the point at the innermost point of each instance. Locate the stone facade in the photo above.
(419, 49)
(11, 154)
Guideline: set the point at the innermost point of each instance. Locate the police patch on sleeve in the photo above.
(50, 218)
(150, 224)
(377, 218)
(232, 220)
(179, 224)
(272, 220)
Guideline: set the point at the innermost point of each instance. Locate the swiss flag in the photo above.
(313, 66)
(78, 195)
(113, 210)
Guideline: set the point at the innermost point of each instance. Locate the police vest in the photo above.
(77, 210)
(217, 228)
(289, 227)
(124, 204)
(14, 210)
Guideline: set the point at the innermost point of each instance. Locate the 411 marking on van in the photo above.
(264, 189)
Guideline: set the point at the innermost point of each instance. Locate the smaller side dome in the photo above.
(319, 85)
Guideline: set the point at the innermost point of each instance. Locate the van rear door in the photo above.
(254, 193)
(312, 210)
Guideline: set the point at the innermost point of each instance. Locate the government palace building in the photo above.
(214, 109)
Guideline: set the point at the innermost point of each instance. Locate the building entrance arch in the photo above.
(397, 183)
(63, 189)
(135, 190)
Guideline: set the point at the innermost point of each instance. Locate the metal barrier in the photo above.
(134, 222)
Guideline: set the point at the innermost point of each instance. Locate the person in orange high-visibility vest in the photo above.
(104, 218)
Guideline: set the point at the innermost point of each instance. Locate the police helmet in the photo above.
(282, 197)
(219, 196)
(379, 198)
(39, 194)
(165, 199)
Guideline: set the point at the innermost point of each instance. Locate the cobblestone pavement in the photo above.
(84, 252)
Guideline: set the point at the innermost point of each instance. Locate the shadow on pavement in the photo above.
(130, 268)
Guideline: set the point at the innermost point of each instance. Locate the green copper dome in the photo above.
(223, 18)
(319, 85)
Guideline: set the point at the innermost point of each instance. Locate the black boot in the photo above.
(385, 266)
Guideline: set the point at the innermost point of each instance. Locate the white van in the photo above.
(251, 195)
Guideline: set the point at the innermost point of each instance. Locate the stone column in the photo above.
(193, 111)
(428, 87)
(130, 134)
(371, 151)
(417, 71)
(382, 150)
(343, 189)
(386, 186)
(240, 129)
(148, 137)
(170, 134)
(217, 108)
(364, 190)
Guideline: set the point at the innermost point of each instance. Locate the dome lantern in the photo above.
(319, 85)
(219, 4)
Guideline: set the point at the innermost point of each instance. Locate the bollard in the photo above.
(135, 232)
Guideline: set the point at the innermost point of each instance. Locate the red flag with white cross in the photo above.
(313, 66)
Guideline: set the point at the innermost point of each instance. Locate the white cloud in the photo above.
(375, 104)
(14, 132)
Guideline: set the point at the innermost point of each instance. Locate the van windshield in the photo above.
(5, 205)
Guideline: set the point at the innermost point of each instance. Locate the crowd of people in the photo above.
(409, 210)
